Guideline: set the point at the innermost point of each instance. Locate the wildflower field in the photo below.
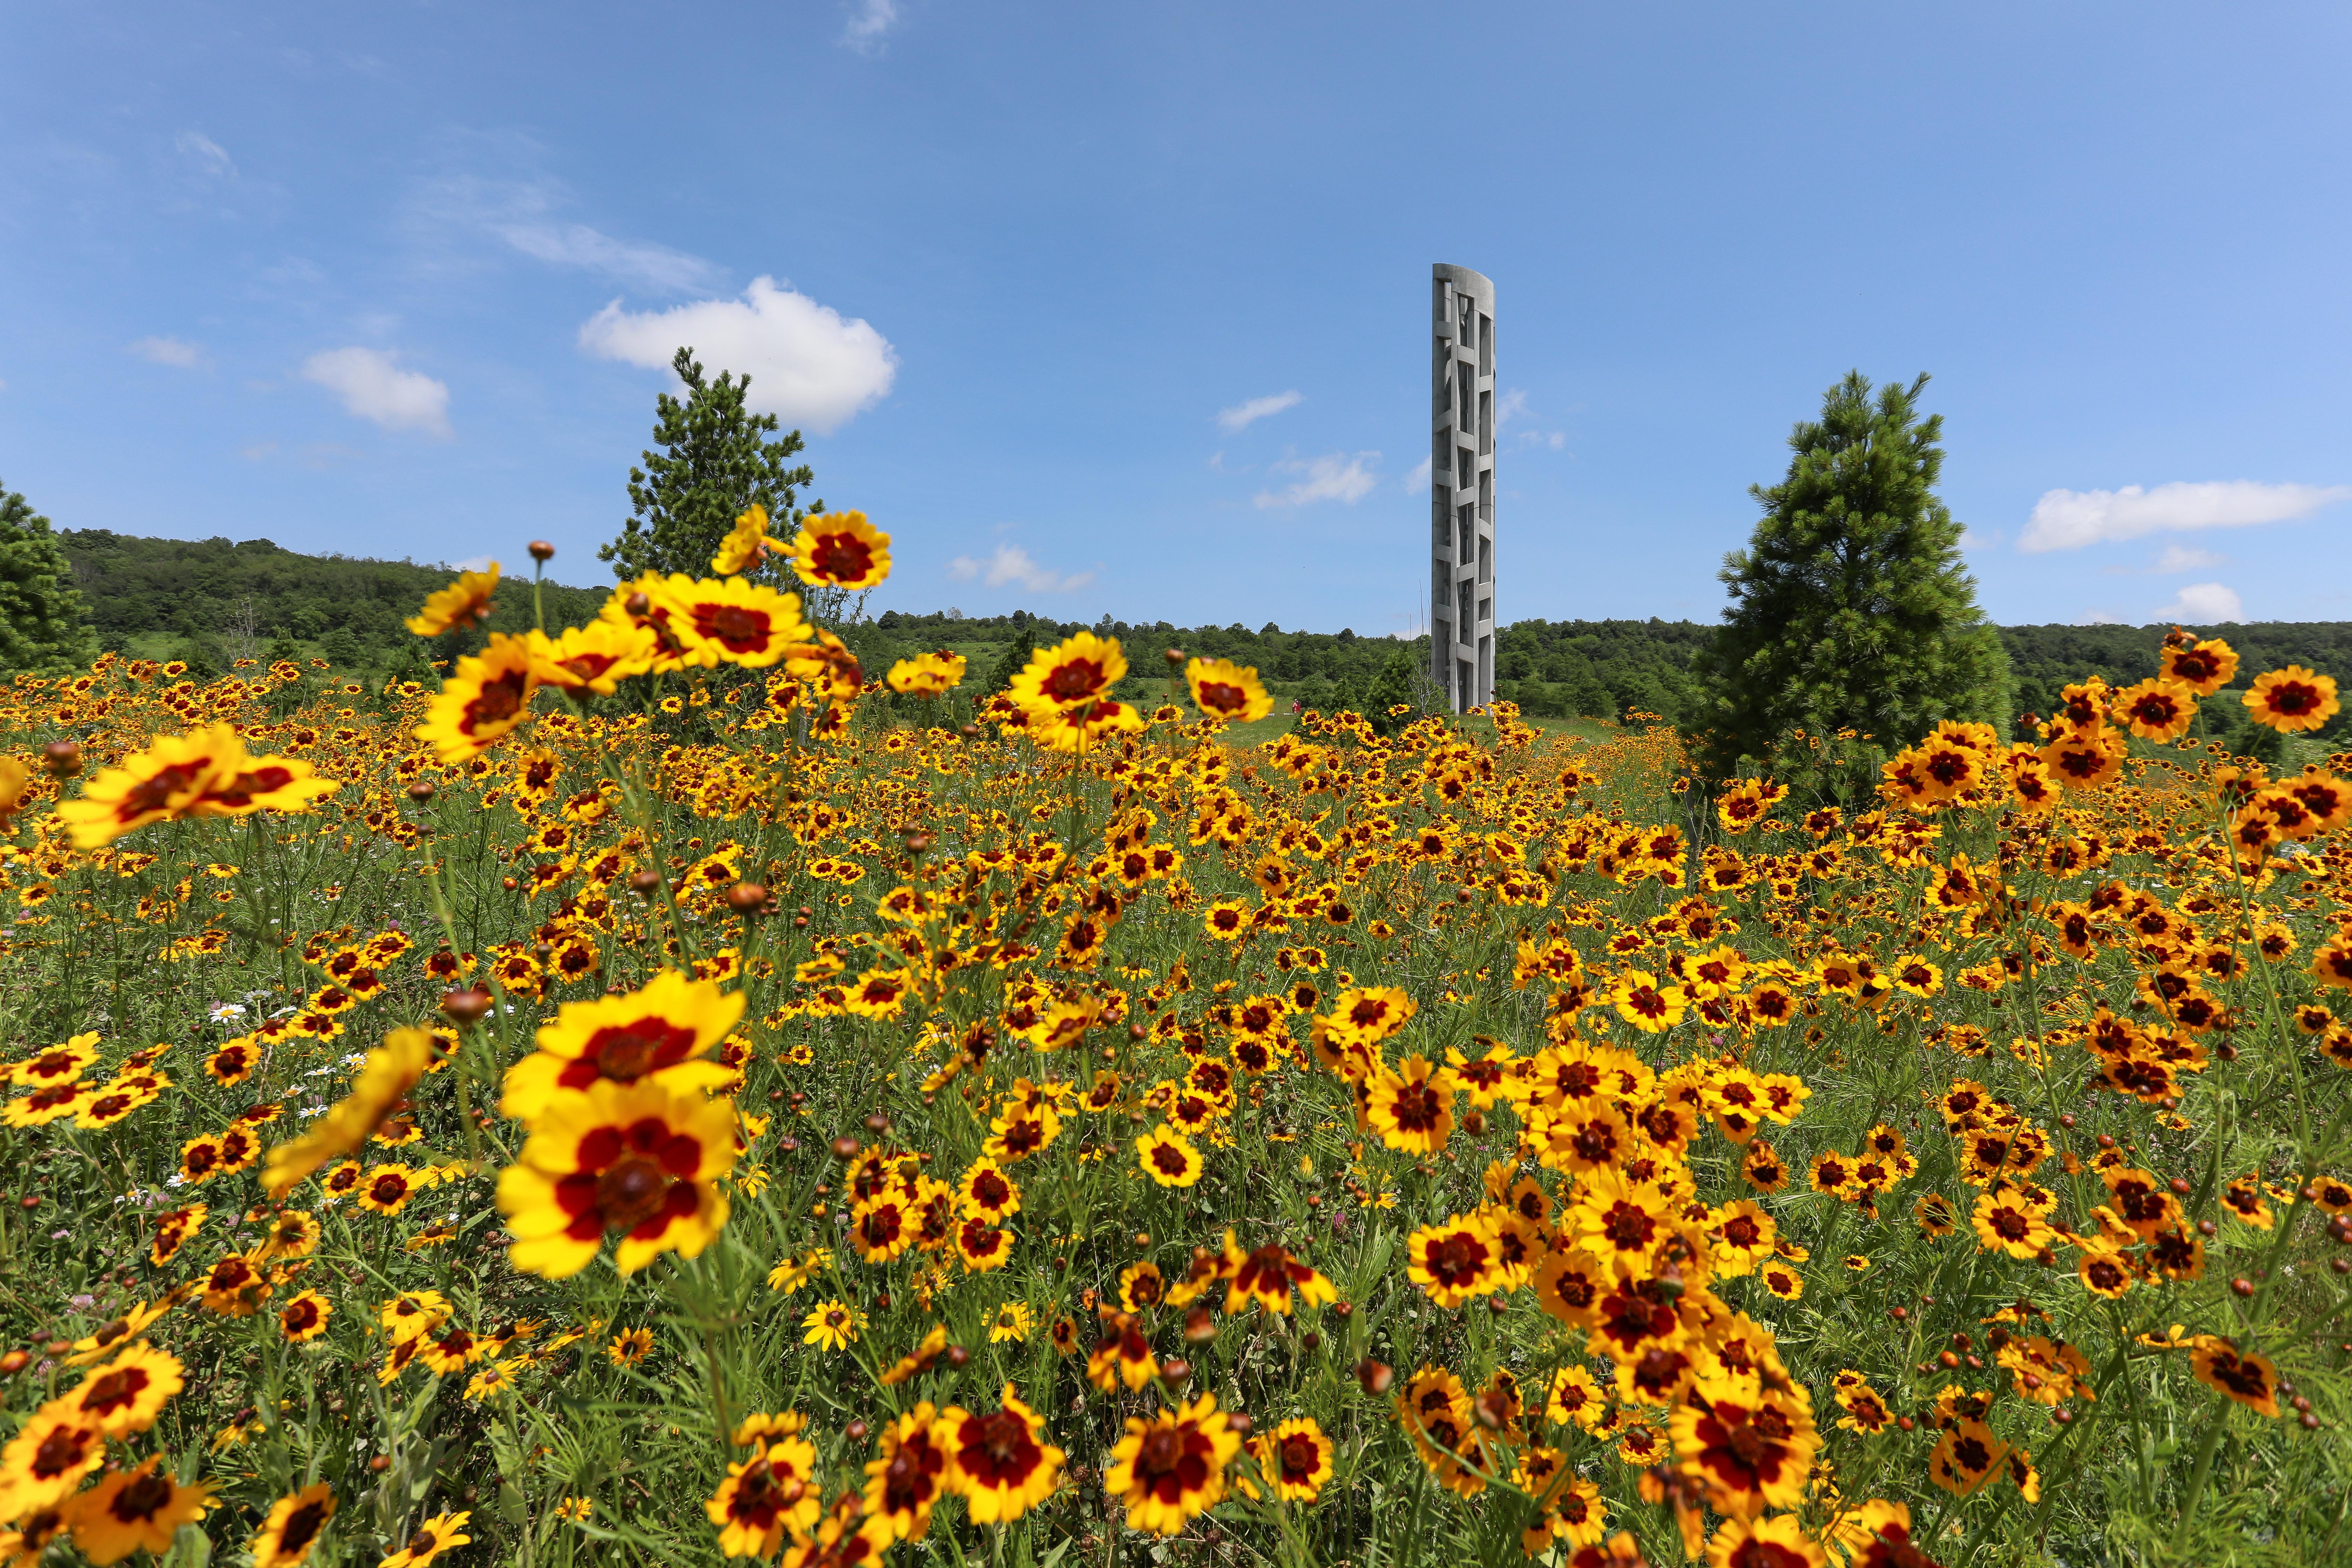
(668, 1095)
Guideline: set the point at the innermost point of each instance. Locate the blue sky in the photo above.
(398, 280)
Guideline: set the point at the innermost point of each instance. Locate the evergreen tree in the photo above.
(713, 463)
(44, 627)
(1392, 686)
(1850, 607)
(1014, 658)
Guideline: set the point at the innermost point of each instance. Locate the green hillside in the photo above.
(211, 601)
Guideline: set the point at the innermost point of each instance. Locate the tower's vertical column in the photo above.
(1461, 486)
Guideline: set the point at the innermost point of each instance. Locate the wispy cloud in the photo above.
(1513, 405)
(525, 216)
(2203, 605)
(1242, 416)
(2069, 519)
(2183, 558)
(869, 24)
(206, 154)
(372, 385)
(1417, 481)
(807, 363)
(168, 350)
(1337, 477)
(1012, 565)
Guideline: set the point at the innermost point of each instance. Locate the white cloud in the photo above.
(2068, 519)
(168, 350)
(1514, 402)
(1242, 416)
(473, 564)
(2203, 605)
(209, 154)
(869, 22)
(2182, 558)
(1418, 481)
(808, 367)
(1334, 477)
(372, 386)
(1010, 564)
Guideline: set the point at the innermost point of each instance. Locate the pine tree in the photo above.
(712, 464)
(1850, 607)
(44, 626)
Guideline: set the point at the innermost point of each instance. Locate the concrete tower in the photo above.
(1461, 488)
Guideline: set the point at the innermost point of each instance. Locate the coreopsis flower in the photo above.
(1752, 1446)
(412, 1314)
(463, 603)
(1000, 1462)
(1077, 673)
(442, 1532)
(2156, 709)
(733, 622)
(15, 786)
(163, 781)
(660, 1033)
(746, 543)
(908, 1475)
(304, 1318)
(1363, 1015)
(1641, 1000)
(1777, 1541)
(638, 1162)
(1171, 1468)
(486, 697)
(127, 1394)
(1966, 1457)
(1226, 693)
(47, 1459)
(2204, 666)
(59, 1064)
(928, 675)
(1168, 1157)
(138, 1510)
(1270, 1276)
(833, 1324)
(2007, 1222)
(1294, 1459)
(2084, 759)
(841, 550)
(1746, 804)
(764, 1497)
(234, 1287)
(2249, 1379)
(1453, 1260)
(293, 1527)
(1412, 1107)
(2292, 700)
(593, 658)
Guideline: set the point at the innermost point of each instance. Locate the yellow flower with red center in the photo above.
(841, 550)
(137, 1509)
(637, 1162)
(162, 780)
(2249, 1379)
(1270, 1276)
(1079, 673)
(595, 658)
(1455, 1260)
(2292, 700)
(1777, 1542)
(442, 1532)
(127, 1394)
(293, 1527)
(1412, 1107)
(304, 1318)
(998, 1462)
(2156, 709)
(908, 1477)
(1170, 1469)
(463, 603)
(746, 544)
(1966, 1457)
(928, 675)
(1363, 1015)
(488, 696)
(1295, 1459)
(2203, 667)
(733, 622)
(2006, 1222)
(660, 1034)
(1641, 1000)
(1751, 1446)
(390, 1071)
(764, 1497)
(1168, 1157)
(1226, 693)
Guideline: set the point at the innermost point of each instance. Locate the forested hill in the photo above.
(210, 601)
